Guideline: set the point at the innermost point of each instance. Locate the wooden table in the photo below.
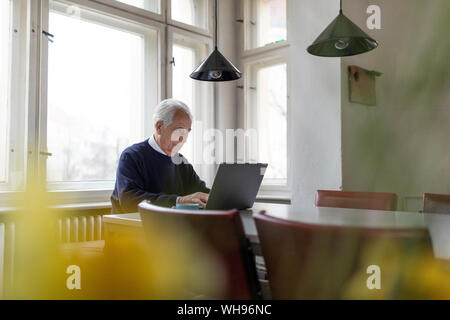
(438, 225)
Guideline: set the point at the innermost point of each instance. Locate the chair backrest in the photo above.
(309, 261)
(356, 200)
(436, 203)
(223, 235)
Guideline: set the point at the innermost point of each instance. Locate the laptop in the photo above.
(236, 186)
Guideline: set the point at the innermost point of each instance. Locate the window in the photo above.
(187, 53)
(72, 102)
(150, 5)
(97, 91)
(191, 12)
(13, 38)
(5, 49)
(268, 110)
(264, 99)
(265, 23)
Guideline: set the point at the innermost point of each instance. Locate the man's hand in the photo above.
(199, 198)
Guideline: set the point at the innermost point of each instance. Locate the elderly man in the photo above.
(154, 170)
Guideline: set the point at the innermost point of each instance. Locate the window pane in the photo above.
(268, 22)
(5, 47)
(193, 12)
(150, 5)
(183, 87)
(271, 107)
(95, 97)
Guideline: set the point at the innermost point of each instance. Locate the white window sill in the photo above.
(81, 197)
(84, 206)
(100, 199)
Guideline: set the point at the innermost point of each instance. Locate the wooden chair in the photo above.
(436, 203)
(356, 200)
(222, 233)
(309, 261)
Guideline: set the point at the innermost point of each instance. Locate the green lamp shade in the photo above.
(216, 68)
(342, 38)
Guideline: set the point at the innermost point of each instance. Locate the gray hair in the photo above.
(166, 110)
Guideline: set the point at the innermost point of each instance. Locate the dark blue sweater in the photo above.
(145, 174)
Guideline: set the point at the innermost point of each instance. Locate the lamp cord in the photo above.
(340, 11)
(215, 25)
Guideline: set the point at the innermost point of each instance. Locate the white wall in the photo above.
(315, 95)
(401, 145)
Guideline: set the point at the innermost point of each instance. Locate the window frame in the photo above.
(158, 16)
(249, 58)
(33, 67)
(188, 27)
(24, 93)
(194, 40)
(73, 189)
(6, 184)
(250, 101)
(15, 171)
(246, 39)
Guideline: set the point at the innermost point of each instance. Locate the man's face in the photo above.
(174, 136)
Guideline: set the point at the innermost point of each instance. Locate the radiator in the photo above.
(69, 229)
(80, 228)
(7, 243)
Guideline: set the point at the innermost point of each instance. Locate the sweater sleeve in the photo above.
(195, 183)
(130, 187)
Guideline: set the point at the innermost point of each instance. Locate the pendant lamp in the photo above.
(342, 38)
(216, 67)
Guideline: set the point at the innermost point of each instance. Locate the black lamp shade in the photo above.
(342, 38)
(216, 68)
